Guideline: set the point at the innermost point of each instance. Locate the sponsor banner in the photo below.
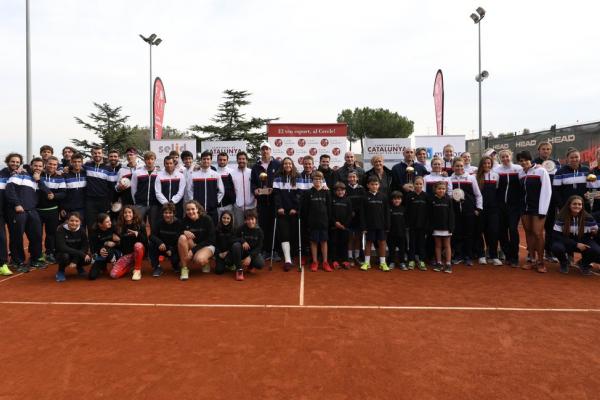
(162, 148)
(299, 140)
(435, 144)
(229, 147)
(438, 101)
(392, 150)
(158, 108)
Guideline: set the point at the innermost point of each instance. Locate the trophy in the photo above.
(549, 166)
(591, 195)
(458, 194)
(263, 177)
(410, 179)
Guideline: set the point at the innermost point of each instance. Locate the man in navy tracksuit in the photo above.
(263, 190)
(76, 184)
(22, 197)
(100, 189)
(48, 203)
(206, 187)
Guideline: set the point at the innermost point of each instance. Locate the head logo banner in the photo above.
(159, 100)
(438, 101)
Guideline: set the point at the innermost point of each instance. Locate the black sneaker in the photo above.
(564, 268)
(94, 272)
(80, 271)
(468, 263)
(38, 264)
(22, 268)
(50, 259)
(586, 270)
(156, 272)
(448, 269)
(276, 257)
(437, 267)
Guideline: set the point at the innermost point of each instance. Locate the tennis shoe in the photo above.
(437, 267)
(137, 275)
(422, 266)
(411, 265)
(403, 267)
(60, 276)
(5, 271)
(185, 274)
(482, 261)
(365, 266)
(384, 267)
(156, 272)
(239, 275)
(448, 269)
(327, 267)
(206, 269)
(335, 265)
(564, 268)
(497, 262)
(346, 265)
(314, 266)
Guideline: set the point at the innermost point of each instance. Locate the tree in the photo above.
(231, 124)
(375, 123)
(109, 125)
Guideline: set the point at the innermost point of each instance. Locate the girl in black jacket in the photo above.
(441, 217)
(286, 196)
(133, 241)
(397, 236)
(417, 206)
(196, 244)
(357, 194)
(72, 246)
(341, 214)
(246, 250)
(225, 239)
(163, 240)
(104, 245)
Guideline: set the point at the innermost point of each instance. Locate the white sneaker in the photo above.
(185, 274)
(137, 275)
(206, 269)
(482, 261)
(497, 262)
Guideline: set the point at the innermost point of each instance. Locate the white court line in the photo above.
(301, 302)
(11, 277)
(307, 307)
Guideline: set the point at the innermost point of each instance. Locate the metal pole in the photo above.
(480, 79)
(28, 82)
(151, 126)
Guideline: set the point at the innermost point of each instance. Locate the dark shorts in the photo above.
(375, 235)
(319, 236)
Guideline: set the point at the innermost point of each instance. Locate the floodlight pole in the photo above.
(480, 81)
(28, 84)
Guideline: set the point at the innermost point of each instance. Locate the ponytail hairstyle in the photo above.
(566, 217)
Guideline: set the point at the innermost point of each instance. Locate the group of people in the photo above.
(442, 213)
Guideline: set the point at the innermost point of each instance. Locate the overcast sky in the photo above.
(304, 61)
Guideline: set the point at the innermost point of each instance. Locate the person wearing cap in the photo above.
(545, 154)
(263, 191)
(492, 154)
(126, 171)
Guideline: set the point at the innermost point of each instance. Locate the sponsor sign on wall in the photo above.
(162, 148)
(229, 147)
(392, 150)
(435, 144)
(299, 140)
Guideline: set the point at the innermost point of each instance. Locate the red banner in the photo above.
(438, 101)
(159, 100)
(280, 130)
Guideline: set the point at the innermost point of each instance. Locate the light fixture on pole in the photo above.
(29, 133)
(152, 40)
(481, 75)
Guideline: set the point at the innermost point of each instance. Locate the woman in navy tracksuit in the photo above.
(489, 216)
(570, 179)
(509, 206)
(537, 191)
(573, 231)
(286, 196)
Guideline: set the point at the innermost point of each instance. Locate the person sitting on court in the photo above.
(377, 218)
(163, 240)
(133, 241)
(104, 244)
(197, 243)
(72, 248)
(225, 234)
(574, 229)
(246, 251)
(316, 206)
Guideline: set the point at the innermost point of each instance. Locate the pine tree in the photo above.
(109, 125)
(231, 124)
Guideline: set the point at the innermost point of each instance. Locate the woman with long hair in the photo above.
(104, 244)
(196, 245)
(72, 246)
(225, 237)
(488, 219)
(573, 232)
(537, 190)
(133, 241)
(286, 196)
(509, 206)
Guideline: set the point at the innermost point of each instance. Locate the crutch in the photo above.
(299, 244)
(273, 243)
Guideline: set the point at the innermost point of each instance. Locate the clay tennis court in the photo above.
(480, 333)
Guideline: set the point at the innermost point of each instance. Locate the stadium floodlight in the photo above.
(152, 40)
(480, 11)
(481, 75)
(474, 17)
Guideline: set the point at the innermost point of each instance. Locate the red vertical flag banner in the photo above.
(438, 101)
(158, 109)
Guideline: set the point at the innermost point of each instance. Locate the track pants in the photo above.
(50, 220)
(338, 248)
(64, 259)
(235, 256)
(560, 249)
(396, 242)
(93, 207)
(99, 263)
(28, 223)
(417, 244)
(3, 241)
(462, 237)
(154, 253)
(266, 217)
(152, 212)
(488, 229)
(549, 227)
(509, 232)
(128, 262)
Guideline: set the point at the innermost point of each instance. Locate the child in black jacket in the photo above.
(72, 246)
(104, 245)
(417, 207)
(163, 240)
(441, 217)
(246, 250)
(357, 194)
(397, 237)
(225, 239)
(316, 206)
(341, 210)
(377, 217)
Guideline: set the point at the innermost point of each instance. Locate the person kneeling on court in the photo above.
(245, 252)
(197, 243)
(133, 241)
(573, 231)
(163, 240)
(71, 247)
(104, 244)
(225, 236)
